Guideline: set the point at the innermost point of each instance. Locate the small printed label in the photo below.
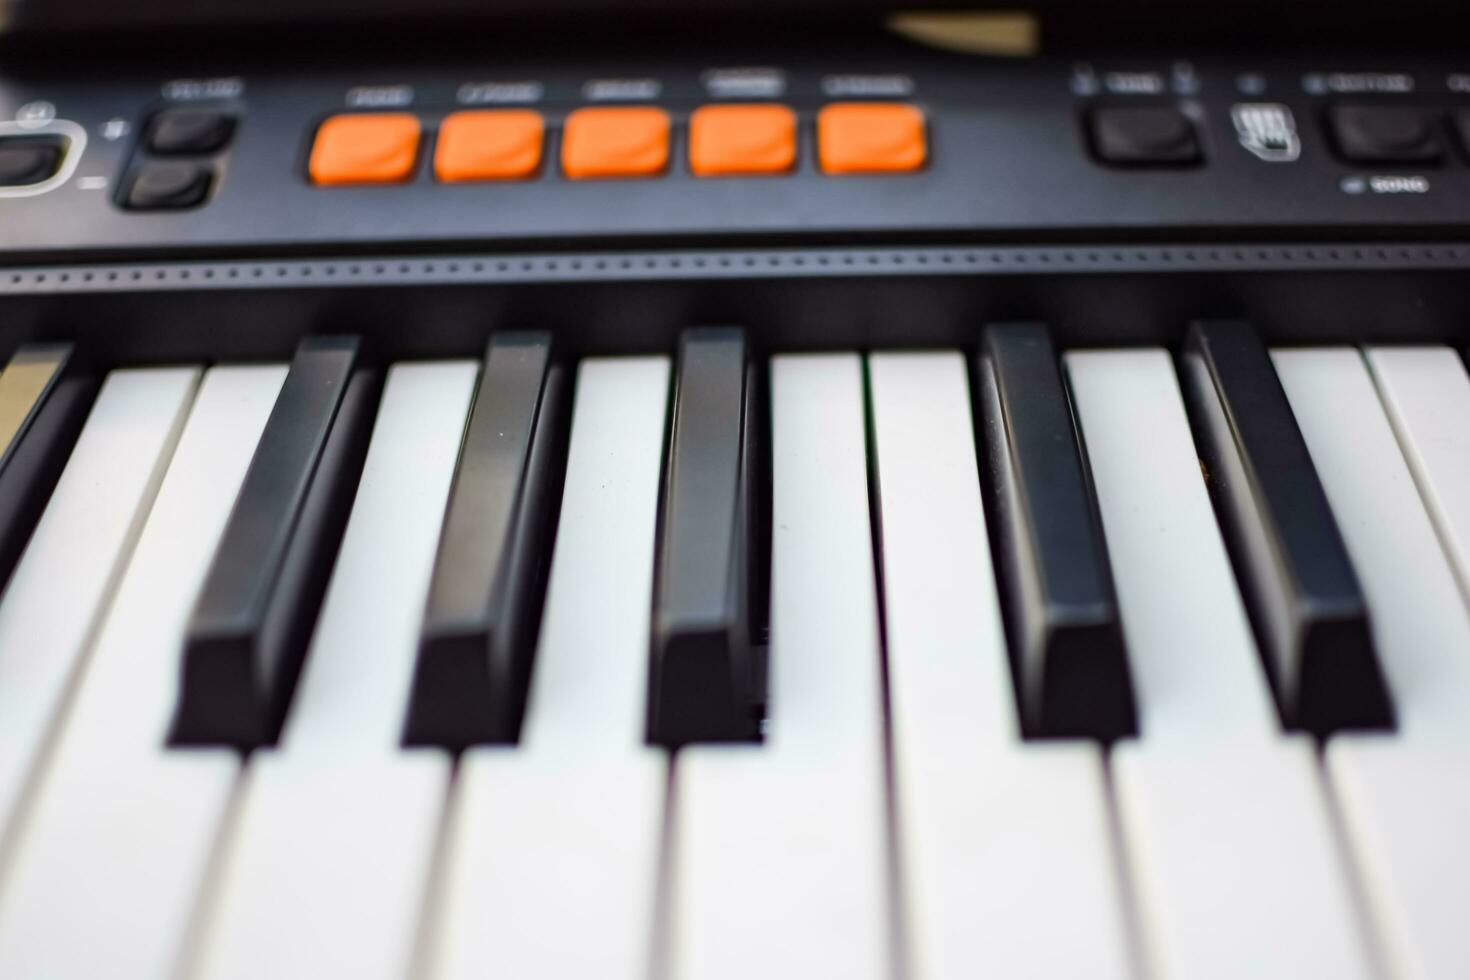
(1251, 83)
(1084, 80)
(1385, 184)
(621, 89)
(744, 83)
(380, 96)
(499, 93)
(187, 89)
(1184, 78)
(1458, 83)
(1358, 83)
(1134, 83)
(1267, 131)
(91, 183)
(867, 86)
(115, 129)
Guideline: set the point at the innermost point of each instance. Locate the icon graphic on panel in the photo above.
(1267, 130)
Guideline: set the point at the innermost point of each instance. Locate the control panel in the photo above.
(864, 142)
(606, 142)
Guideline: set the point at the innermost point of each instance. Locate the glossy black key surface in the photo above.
(1305, 603)
(479, 632)
(1065, 637)
(45, 404)
(252, 621)
(703, 670)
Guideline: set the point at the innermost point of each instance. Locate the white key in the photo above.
(1006, 851)
(325, 870)
(1404, 798)
(780, 851)
(1227, 830)
(64, 582)
(1405, 808)
(103, 880)
(1427, 394)
(551, 863)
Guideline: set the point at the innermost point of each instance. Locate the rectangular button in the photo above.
(1299, 585)
(627, 141)
(1390, 134)
(365, 148)
(703, 675)
(1144, 135)
(489, 144)
(475, 652)
(736, 140)
(1068, 656)
(871, 138)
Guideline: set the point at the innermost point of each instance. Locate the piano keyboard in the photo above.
(1014, 662)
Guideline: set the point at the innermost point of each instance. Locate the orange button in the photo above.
(489, 144)
(871, 138)
(726, 140)
(367, 148)
(631, 141)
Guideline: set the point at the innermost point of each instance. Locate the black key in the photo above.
(253, 619)
(1305, 603)
(479, 634)
(1066, 641)
(45, 395)
(703, 667)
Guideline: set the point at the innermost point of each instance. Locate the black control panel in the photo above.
(1046, 149)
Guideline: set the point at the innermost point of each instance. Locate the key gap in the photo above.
(661, 922)
(430, 919)
(207, 897)
(897, 926)
(1127, 889)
